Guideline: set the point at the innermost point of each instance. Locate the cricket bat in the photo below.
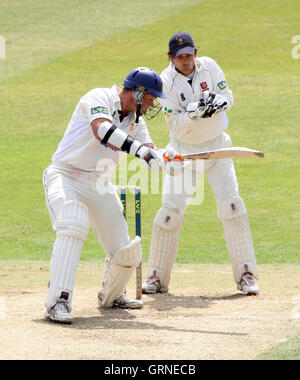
(234, 152)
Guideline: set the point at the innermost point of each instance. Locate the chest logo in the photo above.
(182, 96)
(204, 86)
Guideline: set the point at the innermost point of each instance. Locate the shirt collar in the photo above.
(116, 98)
(118, 105)
(198, 66)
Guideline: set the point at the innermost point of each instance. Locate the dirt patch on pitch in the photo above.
(202, 317)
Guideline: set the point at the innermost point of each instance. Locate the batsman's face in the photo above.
(185, 63)
(148, 102)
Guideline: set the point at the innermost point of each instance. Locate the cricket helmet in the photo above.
(146, 81)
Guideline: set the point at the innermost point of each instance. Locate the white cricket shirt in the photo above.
(182, 90)
(79, 148)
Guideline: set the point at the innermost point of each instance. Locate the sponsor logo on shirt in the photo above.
(222, 85)
(167, 112)
(96, 110)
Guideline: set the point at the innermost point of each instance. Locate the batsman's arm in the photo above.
(95, 127)
(110, 135)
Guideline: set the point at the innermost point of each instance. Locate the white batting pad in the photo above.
(72, 228)
(164, 245)
(238, 237)
(118, 271)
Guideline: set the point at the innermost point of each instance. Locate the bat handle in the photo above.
(177, 157)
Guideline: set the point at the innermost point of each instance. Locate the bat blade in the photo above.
(234, 152)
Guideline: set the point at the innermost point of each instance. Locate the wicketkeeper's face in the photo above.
(185, 63)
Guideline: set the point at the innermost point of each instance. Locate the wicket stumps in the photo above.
(123, 197)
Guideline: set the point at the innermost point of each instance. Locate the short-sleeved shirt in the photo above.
(79, 148)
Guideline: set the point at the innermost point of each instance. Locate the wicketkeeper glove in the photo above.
(214, 103)
(196, 109)
(207, 107)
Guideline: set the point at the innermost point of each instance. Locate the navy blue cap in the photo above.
(181, 43)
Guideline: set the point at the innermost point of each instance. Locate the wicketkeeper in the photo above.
(198, 98)
(106, 124)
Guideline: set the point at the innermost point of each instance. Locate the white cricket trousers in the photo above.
(104, 207)
(177, 194)
(220, 175)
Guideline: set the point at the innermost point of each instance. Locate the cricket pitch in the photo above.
(202, 317)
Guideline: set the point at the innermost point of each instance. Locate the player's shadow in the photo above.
(119, 319)
(169, 301)
(122, 319)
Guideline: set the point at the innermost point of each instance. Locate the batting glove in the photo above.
(153, 159)
(173, 163)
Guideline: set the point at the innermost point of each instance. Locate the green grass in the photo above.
(59, 50)
(252, 45)
(38, 101)
(37, 32)
(289, 350)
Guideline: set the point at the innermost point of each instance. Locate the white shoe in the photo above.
(247, 285)
(152, 286)
(125, 302)
(60, 313)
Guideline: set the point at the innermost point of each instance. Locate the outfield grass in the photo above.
(253, 46)
(37, 32)
(59, 50)
(288, 350)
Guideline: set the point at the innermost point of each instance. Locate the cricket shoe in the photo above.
(152, 286)
(59, 313)
(125, 302)
(247, 285)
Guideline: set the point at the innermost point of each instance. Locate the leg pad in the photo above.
(233, 215)
(118, 271)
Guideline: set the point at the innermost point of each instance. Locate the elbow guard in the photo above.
(110, 134)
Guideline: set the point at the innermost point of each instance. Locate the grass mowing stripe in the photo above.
(39, 103)
(36, 32)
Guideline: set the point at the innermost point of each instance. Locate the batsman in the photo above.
(106, 124)
(198, 99)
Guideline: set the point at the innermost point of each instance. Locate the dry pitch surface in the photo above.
(202, 317)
